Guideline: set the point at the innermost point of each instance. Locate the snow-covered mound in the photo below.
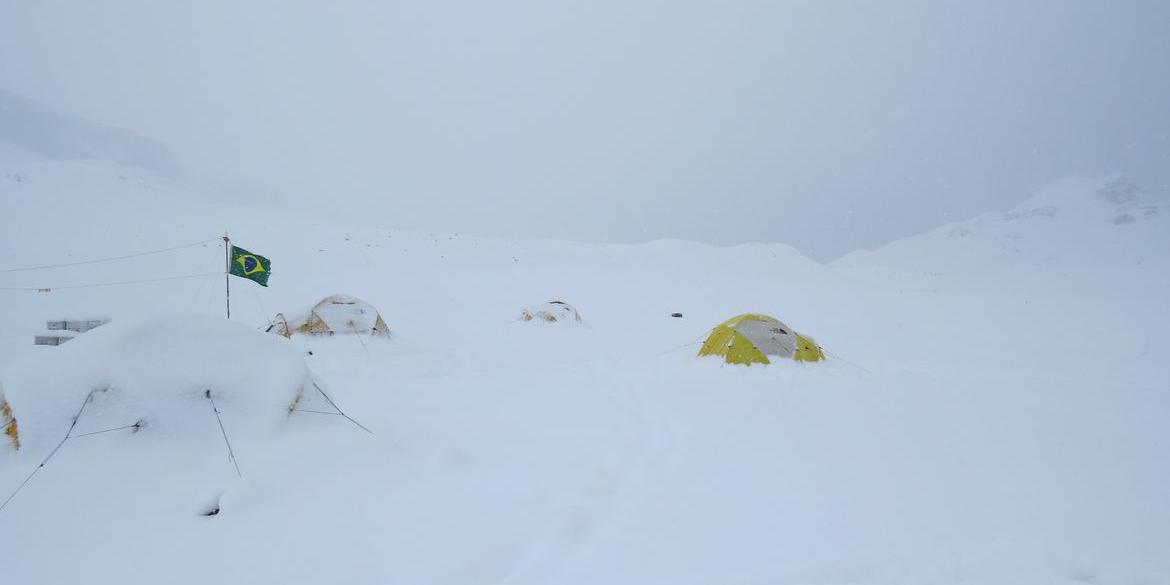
(155, 372)
(1108, 224)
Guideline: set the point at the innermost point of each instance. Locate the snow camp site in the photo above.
(991, 406)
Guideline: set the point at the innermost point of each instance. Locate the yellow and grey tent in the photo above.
(334, 314)
(750, 338)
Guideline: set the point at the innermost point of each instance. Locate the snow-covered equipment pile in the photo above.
(750, 338)
(53, 338)
(552, 312)
(334, 314)
(76, 325)
(159, 375)
(60, 331)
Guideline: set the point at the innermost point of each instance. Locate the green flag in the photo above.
(251, 266)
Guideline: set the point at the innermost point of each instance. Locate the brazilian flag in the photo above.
(251, 266)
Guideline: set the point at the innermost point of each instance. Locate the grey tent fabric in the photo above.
(770, 338)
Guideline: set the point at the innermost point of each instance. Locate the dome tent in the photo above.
(154, 374)
(162, 394)
(551, 312)
(334, 314)
(750, 338)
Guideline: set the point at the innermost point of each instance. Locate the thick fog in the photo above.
(826, 125)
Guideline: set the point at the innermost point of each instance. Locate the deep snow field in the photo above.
(995, 408)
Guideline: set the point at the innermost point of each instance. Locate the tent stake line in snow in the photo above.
(339, 411)
(136, 426)
(231, 454)
(317, 411)
(76, 417)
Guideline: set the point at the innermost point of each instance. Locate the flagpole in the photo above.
(227, 273)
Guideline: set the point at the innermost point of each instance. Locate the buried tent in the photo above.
(164, 394)
(334, 314)
(551, 312)
(750, 338)
(161, 374)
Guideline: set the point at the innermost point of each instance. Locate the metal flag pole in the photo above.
(227, 273)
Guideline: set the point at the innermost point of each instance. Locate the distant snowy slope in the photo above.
(1069, 231)
(70, 211)
(35, 128)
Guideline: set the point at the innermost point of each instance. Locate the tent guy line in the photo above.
(46, 289)
(317, 412)
(135, 426)
(68, 435)
(231, 453)
(338, 408)
(108, 259)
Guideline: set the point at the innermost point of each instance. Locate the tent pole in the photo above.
(227, 274)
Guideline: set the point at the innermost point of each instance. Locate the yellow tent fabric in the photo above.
(807, 350)
(8, 423)
(750, 338)
(732, 345)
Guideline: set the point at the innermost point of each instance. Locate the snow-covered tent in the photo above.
(552, 312)
(334, 314)
(162, 374)
(750, 338)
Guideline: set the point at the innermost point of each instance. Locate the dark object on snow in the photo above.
(212, 508)
(676, 315)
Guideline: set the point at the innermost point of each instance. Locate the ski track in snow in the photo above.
(588, 512)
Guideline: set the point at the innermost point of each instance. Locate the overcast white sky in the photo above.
(826, 125)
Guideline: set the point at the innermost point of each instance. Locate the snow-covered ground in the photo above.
(994, 409)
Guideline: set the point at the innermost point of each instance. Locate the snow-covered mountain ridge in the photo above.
(26, 125)
(1068, 234)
